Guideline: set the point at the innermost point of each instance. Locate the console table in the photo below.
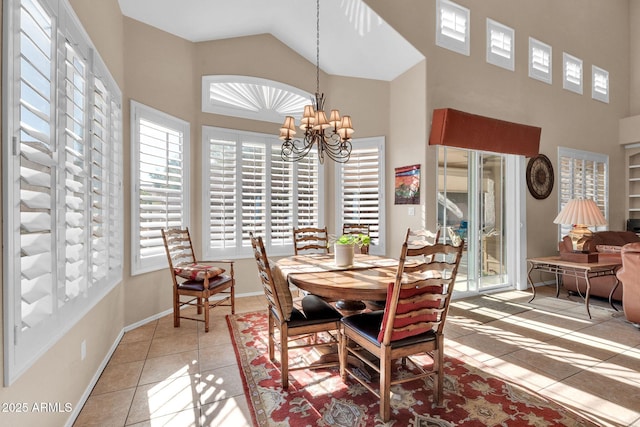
(557, 266)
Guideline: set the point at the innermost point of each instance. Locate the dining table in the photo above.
(367, 279)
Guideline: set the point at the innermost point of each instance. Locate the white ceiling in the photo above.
(354, 40)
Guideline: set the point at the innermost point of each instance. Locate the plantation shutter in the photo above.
(583, 175)
(35, 201)
(254, 191)
(61, 142)
(308, 196)
(281, 185)
(222, 207)
(249, 188)
(360, 190)
(99, 177)
(160, 167)
(75, 177)
(116, 208)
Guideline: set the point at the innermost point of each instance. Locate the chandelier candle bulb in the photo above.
(331, 137)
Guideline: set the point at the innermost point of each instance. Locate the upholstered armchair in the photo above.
(629, 276)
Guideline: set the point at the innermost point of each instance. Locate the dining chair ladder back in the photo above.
(315, 324)
(357, 229)
(308, 240)
(411, 323)
(196, 280)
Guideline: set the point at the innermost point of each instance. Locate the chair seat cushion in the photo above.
(368, 325)
(198, 285)
(197, 271)
(314, 310)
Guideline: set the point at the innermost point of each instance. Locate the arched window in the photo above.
(252, 98)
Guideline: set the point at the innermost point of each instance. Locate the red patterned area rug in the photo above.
(472, 397)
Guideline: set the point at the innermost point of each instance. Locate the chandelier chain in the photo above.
(317, 46)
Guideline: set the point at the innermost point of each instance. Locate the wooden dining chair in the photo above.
(315, 324)
(411, 323)
(196, 280)
(349, 229)
(310, 240)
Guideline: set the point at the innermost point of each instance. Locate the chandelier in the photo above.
(331, 137)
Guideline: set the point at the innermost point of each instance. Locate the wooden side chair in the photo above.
(298, 328)
(348, 229)
(411, 323)
(310, 240)
(196, 280)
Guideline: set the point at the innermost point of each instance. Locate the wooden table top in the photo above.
(367, 279)
(557, 261)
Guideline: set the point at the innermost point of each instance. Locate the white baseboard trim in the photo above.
(112, 349)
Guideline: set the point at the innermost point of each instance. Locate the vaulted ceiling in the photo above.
(354, 40)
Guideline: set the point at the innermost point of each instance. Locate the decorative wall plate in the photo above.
(540, 176)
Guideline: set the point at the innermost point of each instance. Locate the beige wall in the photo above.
(164, 72)
(597, 33)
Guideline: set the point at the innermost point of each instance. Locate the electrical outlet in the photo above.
(83, 349)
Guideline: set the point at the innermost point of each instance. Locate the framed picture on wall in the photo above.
(407, 185)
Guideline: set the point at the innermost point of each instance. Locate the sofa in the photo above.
(608, 245)
(629, 276)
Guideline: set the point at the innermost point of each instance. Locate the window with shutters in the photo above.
(599, 84)
(452, 26)
(500, 45)
(583, 174)
(360, 190)
(62, 198)
(540, 60)
(571, 73)
(160, 174)
(249, 188)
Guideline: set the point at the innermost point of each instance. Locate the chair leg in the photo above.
(233, 299)
(176, 310)
(385, 384)
(206, 314)
(200, 301)
(271, 336)
(284, 355)
(438, 368)
(342, 354)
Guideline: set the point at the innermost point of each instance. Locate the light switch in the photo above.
(412, 211)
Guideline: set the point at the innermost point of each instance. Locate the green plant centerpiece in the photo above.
(344, 245)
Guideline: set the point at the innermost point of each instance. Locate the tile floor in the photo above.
(161, 376)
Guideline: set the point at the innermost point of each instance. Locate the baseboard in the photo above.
(77, 408)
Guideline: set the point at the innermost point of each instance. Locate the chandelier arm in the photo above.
(334, 141)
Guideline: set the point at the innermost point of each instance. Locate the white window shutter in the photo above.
(281, 212)
(308, 197)
(160, 164)
(360, 190)
(221, 208)
(254, 191)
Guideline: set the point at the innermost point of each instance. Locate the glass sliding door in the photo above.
(471, 206)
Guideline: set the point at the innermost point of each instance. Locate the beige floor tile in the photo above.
(170, 366)
(178, 343)
(219, 384)
(141, 333)
(163, 398)
(216, 357)
(187, 418)
(108, 409)
(548, 345)
(231, 412)
(118, 376)
(218, 334)
(609, 402)
(130, 352)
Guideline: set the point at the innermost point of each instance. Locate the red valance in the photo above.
(455, 128)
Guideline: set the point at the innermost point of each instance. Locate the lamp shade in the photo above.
(580, 211)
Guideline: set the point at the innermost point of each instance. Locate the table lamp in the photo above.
(581, 213)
